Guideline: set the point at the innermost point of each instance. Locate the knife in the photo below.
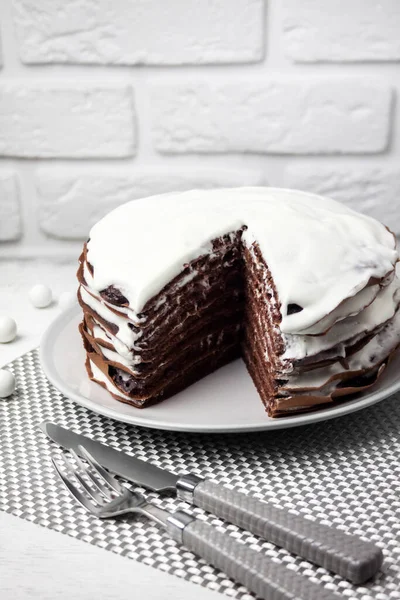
(344, 554)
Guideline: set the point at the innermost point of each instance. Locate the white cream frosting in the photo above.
(348, 308)
(378, 312)
(319, 251)
(372, 354)
(125, 333)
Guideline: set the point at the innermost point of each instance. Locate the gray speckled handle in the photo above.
(346, 555)
(257, 572)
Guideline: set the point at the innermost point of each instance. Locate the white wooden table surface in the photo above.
(43, 564)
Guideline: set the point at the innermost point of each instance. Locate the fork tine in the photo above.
(73, 490)
(101, 471)
(75, 473)
(104, 489)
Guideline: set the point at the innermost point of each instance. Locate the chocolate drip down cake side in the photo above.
(175, 286)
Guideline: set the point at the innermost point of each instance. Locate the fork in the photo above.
(105, 497)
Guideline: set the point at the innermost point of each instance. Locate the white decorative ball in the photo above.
(41, 296)
(8, 330)
(7, 383)
(66, 299)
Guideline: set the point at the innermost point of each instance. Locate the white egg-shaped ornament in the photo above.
(7, 383)
(8, 330)
(41, 296)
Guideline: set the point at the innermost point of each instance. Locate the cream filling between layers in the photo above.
(372, 354)
(120, 352)
(99, 376)
(125, 334)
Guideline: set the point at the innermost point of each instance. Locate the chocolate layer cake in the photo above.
(173, 287)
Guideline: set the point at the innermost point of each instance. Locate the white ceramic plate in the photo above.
(225, 401)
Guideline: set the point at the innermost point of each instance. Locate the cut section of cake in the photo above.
(175, 286)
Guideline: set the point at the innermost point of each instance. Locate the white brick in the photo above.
(334, 30)
(140, 31)
(69, 204)
(71, 121)
(295, 116)
(10, 218)
(374, 191)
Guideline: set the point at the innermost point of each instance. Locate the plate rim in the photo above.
(49, 339)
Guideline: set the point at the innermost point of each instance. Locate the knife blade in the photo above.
(133, 469)
(346, 555)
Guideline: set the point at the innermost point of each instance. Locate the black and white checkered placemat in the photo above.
(344, 472)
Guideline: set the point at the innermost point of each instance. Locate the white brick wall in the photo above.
(355, 30)
(10, 221)
(106, 101)
(77, 122)
(131, 32)
(281, 117)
